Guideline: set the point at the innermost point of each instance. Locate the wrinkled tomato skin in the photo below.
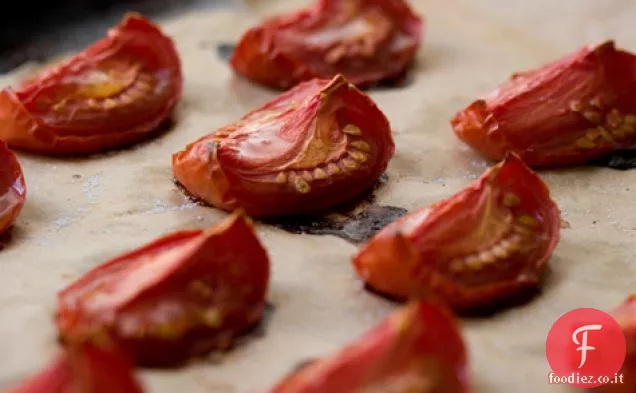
(472, 250)
(84, 368)
(115, 93)
(418, 348)
(319, 145)
(286, 50)
(568, 112)
(177, 297)
(625, 315)
(12, 188)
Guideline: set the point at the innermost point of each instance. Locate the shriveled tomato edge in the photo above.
(412, 23)
(288, 71)
(131, 22)
(189, 240)
(552, 214)
(32, 134)
(200, 183)
(177, 238)
(10, 162)
(75, 366)
(478, 127)
(384, 337)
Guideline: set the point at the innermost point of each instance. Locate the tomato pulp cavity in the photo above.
(318, 145)
(179, 296)
(114, 93)
(367, 41)
(570, 111)
(475, 248)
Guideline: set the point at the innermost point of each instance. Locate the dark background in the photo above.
(37, 30)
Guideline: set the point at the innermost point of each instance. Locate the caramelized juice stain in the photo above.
(621, 160)
(355, 223)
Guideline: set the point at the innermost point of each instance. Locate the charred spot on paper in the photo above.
(356, 222)
(621, 160)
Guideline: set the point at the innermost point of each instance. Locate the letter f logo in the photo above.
(583, 343)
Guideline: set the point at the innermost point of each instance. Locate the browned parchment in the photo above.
(81, 212)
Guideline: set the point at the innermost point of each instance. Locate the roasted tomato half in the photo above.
(179, 296)
(367, 41)
(112, 94)
(12, 188)
(472, 249)
(85, 368)
(416, 349)
(625, 315)
(318, 145)
(568, 112)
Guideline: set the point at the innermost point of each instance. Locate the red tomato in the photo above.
(316, 146)
(112, 94)
(476, 247)
(179, 296)
(367, 41)
(568, 112)
(416, 349)
(625, 315)
(84, 369)
(12, 188)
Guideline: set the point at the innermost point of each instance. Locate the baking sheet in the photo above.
(82, 212)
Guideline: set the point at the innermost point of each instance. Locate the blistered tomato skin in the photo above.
(12, 188)
(367, 41)
(416, 349)
(84, 368)
(473, 249)
(625, 315)
(568, 112)
(114, 93)
(316, 146)
(179, 296)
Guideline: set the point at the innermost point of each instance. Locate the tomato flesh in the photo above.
(367, 41)
(416, 349)
(12, 188)
(569, 112)
(114, 93)
(473, 249)
(179, 296)
(84, 368)
(625, 315)
(321, 144)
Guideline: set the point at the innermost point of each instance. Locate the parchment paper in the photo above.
(80, 213)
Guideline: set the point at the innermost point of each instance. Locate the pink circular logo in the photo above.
(586, 349)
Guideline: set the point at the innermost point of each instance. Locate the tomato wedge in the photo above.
(568, 112)
(318, 145)
(473, 249)
(625, 315)
(12, 188)
(84, 368)
(367, 41)
(114, 93)
(416, 349)
(179, 296)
